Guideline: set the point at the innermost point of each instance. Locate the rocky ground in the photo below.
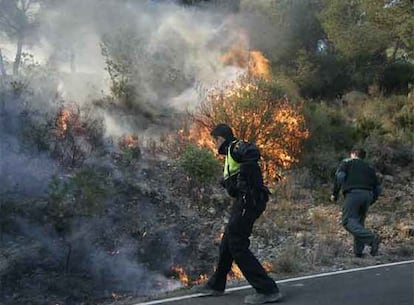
(158, 221)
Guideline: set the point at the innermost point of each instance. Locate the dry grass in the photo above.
(290, 260)
(311, 237)
(404, 250)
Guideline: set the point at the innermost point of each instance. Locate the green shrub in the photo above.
(129, 154)
(397, 77)
(35, 131)
(404, 118)
(199, 164)
(382, 125)
(366, 126)
(331, 136)
(328, 127)
(83, 194)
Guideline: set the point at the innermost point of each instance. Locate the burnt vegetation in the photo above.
(115, 196)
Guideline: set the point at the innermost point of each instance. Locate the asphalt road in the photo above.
(389, 284)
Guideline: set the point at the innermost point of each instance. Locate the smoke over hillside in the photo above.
(167, 54)
(98, 70)
(168, 48)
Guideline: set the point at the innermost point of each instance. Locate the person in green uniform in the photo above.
(361, 188)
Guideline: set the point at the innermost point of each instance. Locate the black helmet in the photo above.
(222, 130)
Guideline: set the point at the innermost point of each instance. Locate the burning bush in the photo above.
(129, 146)
(257, 111)
(76, 135)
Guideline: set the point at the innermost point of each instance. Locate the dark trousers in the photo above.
(354, 212)
(234, 246)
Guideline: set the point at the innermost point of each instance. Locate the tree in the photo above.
(18, 20)
(395, 18)
(369, 35)
(350, 28)
(258, 111)
(297, 44)
(142, 76)
(290, 26)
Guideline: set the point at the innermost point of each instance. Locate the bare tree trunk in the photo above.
(18, 58)
(2, 69)
(67, 263)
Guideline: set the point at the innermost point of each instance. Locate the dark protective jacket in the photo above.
(356, 174)
(247, 179)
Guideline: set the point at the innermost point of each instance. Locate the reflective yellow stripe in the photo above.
(231, 167)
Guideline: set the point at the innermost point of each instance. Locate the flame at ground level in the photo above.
(234, 274)
(181, 275)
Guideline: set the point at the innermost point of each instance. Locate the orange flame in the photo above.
(128, 141)
(201, 137)
(237, 55)
(67, 118)
(267, 266)
(259, 65)
(276, 126)
(201, 279)
(250, 107)
(254, 61)
(182, 275)
(185, 280)
(235, 273)
(62, 121)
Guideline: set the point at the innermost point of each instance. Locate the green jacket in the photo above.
(354, 173)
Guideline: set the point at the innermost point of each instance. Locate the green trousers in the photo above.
(354, 212)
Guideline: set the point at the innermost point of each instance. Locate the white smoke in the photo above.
(174, 54)
(181, 45)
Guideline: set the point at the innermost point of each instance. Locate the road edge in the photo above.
(301, 278)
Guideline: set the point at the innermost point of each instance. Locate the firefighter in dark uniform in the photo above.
(361, 188)
(243, 181)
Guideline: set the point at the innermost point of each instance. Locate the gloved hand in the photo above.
(333, 198)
